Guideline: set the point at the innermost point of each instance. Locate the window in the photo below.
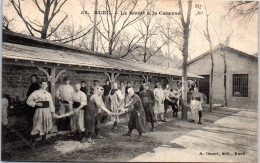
(240, 85)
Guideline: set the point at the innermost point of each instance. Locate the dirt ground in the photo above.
(115, 147)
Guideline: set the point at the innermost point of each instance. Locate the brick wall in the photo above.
(16, 79)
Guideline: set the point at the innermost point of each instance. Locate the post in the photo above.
(111, 77)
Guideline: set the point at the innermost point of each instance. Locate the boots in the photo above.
(87, 138)
(152, 123)
(114, 126)
(128, 133)
(98, 136)
(139, 137)
(199, 121)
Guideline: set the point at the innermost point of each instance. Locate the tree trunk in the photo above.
(185, 52)
(110, 48)
(207, 35)
(184, 64)
(94, 28)
(46, 20)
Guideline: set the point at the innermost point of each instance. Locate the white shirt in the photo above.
(65, 92)
(80, 97)
(38, 96)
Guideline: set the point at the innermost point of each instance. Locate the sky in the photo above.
(244, 36)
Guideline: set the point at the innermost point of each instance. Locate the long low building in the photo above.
(24, 55)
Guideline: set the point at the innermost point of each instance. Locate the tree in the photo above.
(129, 44)
(208, 37)
(148, 29)
(49, 9)
(243, 9)
(94, 28)
(170, 34)
(118, 18)
(185, 51)
(224, 40)
(6, 22)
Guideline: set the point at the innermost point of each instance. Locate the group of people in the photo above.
(83, 110)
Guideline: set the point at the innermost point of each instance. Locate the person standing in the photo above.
(137, 119)
(64, 95)
(156, 84)
(92, 115)
(107, 88)
(141, 86)
(42, 120)
(148, 101)
(196, 108)
(31, 110)
(159, 102)
(169, 99)
(136, 87)
(175, 98)
(116, 98)
(79, 101)
(5, 104)
(94, 88)
(122, 89)
(83, 88)
(129, 85)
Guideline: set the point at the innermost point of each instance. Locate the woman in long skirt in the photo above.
(195, 105)
(137, 119)
(42, 120)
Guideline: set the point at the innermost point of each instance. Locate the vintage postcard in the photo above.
(129, 80)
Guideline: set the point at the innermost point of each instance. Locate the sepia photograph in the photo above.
(129, 81)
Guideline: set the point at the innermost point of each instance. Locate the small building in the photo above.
(24, 55)
(235, 81)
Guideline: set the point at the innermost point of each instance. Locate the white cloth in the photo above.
(159, 100)
(42, 120)
(195, 107)
(77, 120)
(65, 92)
(4, 111)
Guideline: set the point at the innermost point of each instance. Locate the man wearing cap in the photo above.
(64, 95)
